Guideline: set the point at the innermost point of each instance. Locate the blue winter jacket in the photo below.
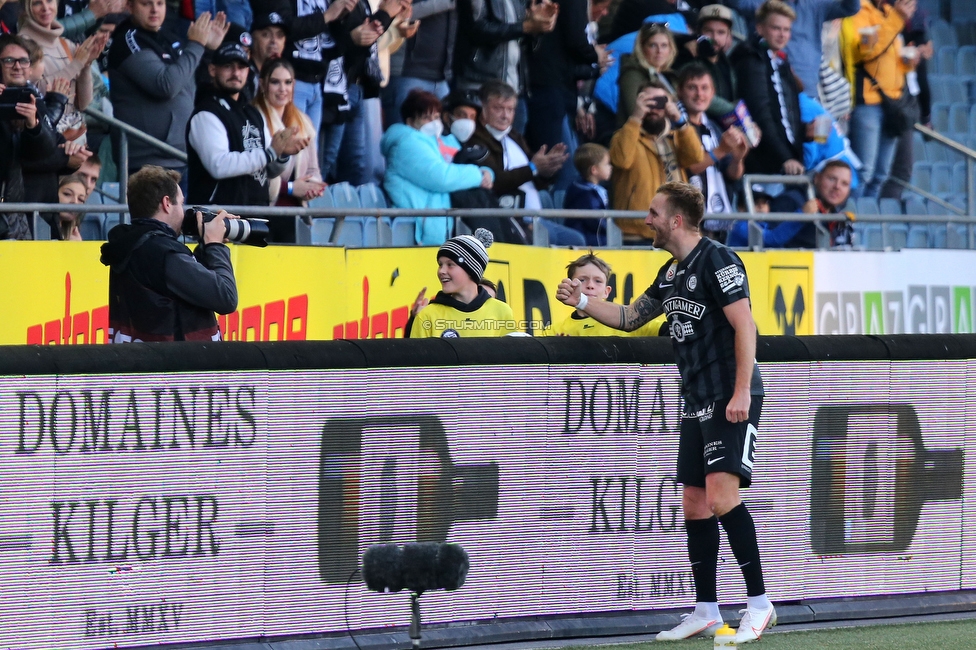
(417, 176)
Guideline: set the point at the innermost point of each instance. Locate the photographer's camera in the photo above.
(253, 232)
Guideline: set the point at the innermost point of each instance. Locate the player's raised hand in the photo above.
(569, 292)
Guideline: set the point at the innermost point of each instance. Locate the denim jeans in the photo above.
(238, 11)
(402, 87)
(308, 99)
(344, 145)
(875, 149)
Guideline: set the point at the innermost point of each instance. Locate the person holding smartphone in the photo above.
(655, 146)
(24, 136)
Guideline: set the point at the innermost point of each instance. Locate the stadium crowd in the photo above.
(458, 103)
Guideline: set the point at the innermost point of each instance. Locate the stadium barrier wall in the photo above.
(202, 492)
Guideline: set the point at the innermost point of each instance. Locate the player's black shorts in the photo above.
(710, 443)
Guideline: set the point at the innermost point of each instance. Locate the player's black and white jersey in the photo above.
(692, 294)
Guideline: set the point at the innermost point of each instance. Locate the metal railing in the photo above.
(125, 131)
(968, 154)
(303, 229)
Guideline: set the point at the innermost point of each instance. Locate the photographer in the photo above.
(158, 290)
(24, 135)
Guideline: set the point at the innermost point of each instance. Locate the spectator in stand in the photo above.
(21, 140)
(519, 175)
(85, 15)
(269, 31)
(153, 83)
(300, 181)
(833, 188)
(236, 34)
(71, 190)
(586, 108)
(875, 65)
(712, 49)
(314, 34)
(726, 151)
(89, 172)
(417, 175)
(560, 59)
(490, 39)
(631, 13)
(462, 307)
(592, 162)
(655, 146)
(344, 143)
(62, 58)
(654, 52)
(461, 111)
(428, 57)
(231, 151)
(915, 35)
(771, 92)
(805, 48)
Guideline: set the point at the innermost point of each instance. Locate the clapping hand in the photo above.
(551, 161)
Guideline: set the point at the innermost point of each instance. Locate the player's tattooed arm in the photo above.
(641, 311)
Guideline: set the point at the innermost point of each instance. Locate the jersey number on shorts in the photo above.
(749, 448)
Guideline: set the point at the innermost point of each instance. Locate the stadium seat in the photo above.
(922, 176)
(966, 61)
(959, 117)
(935, 152)
(322, 230)
(937, 235)
(322, 226)
(935, 209)
(897, 236)
(942, 33)
(915, 205)
(962, 10)
(945, 57)
(965, 32)
(404, 231)
(941, 178)
(112, 219)
(971, 129)
(110, 193)
(919, 147)
(371, 196)
(939, 87)
(868, 235)
(559, 199)
(889, 206)
(940, 117)
(956, 91)
(92, 226)
(957, 236)
(918, 236)
(377, 232)
(545, 198)
(866, 205)
(350, 231)
(959, 178)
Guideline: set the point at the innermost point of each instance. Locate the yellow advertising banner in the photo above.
(57, 292)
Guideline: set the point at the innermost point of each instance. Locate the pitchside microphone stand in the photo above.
(418, 567)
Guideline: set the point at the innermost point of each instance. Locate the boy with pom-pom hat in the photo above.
(463, 308)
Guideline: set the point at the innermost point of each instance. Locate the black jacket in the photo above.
(429, 54)
(754, 71)
(481, 50)
(311, 43)
(159, 291)
(563, 55)
(17, 147)
(41, 174)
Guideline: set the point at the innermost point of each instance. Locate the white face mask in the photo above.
(462, 129)
(433, 128)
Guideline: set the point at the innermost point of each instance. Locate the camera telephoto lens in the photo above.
(253, 232)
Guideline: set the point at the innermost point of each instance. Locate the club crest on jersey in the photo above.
(730, 278)
(671, 271)
(692, 282)
(450, 334)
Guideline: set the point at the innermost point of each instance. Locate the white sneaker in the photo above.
(754, 622)
(691, 625)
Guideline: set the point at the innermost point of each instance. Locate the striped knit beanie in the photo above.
(469, 252)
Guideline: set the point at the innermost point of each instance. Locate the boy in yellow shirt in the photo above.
(463, 307)
(594, 274)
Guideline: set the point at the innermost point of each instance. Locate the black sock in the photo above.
(703, 552)
(741, 532)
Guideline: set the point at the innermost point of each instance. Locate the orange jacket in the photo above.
(882, 60)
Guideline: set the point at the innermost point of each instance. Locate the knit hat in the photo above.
(469, 252)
